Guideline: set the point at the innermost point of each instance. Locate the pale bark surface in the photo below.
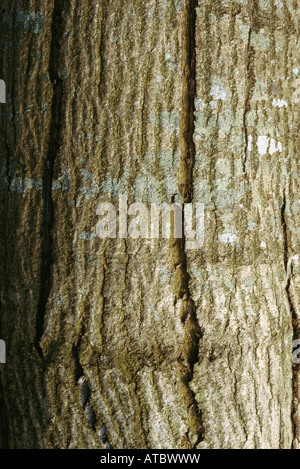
(161, 100)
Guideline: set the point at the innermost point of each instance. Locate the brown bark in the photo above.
(165, 347)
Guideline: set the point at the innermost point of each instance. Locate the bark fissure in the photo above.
(250, 76)
(78, 370)
(80, 380)
(101, 48)
(187, 144)
(295, 325)
(188, 314)
(193, 334)
(247, 98)
(85, 393)
(53, 149)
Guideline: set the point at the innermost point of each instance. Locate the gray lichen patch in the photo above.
(30, 21)
(22, 185)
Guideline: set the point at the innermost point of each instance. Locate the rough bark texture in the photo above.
(162, 100)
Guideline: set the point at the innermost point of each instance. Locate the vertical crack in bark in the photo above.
(80, 380)
(85, 393)
(247, 99)
(295, 323)
(193, 334)
(284, 229)
(78, 370)
(250, 79)
(103, 14)
(188, 315)
(188, 97)
(53, 149)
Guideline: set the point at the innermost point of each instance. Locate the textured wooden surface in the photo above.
(160, 100)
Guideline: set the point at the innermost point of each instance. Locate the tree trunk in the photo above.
(143, 343)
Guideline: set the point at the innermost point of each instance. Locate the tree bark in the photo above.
(142, 343)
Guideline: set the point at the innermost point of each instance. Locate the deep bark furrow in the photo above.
(179, 259)
(54, 140)
(188, 101)
(247, 97)
(295, 322)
